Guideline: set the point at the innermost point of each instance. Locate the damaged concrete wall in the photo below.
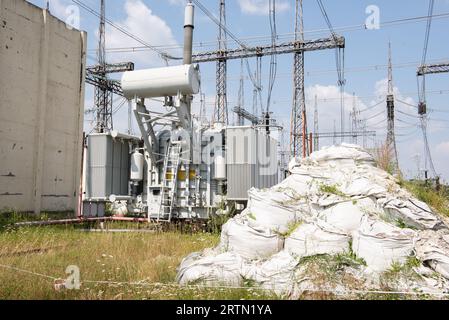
(42, 65)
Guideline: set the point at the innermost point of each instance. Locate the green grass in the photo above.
(405, 270)
(291, 227)
(438, 200)
(331, 189)
(151, 259)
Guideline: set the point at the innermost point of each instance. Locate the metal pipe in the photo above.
(58, 222)
(119, 230)
(115, 134)
(310, 143)
(114, 198)
(74, 221)
(188, 32)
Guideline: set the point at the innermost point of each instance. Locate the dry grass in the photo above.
(384, 158)
(116, 257)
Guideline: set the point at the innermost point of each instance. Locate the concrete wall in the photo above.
(41, 109)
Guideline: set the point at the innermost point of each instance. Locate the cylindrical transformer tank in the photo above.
(137, 162)
(220, 167)
(161, 82)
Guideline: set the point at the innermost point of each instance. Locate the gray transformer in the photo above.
(251, 159)
(107, 167)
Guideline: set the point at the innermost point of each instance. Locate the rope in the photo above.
(176, 285)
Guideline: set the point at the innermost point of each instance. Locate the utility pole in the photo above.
(391, 139)
(363, 122)
(316, 139)
(298, 145)
(221, 104)
(241, 100)
(354, 117)
(422, 107)
(335, 133)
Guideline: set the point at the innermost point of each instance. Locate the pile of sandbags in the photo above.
(334, 201)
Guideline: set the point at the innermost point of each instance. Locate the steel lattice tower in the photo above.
(221, 104)
(299, 116)
(316, 139)
(391, 139)
(355, 120)
(103, 96)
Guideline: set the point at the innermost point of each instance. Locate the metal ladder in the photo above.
(169, 184)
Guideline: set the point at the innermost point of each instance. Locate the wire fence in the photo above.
(145, 283)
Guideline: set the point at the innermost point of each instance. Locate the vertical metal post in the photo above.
(316, 141)
(310, 143)
(299, 115)
(391, 139)
(221, 104)
(103, 97)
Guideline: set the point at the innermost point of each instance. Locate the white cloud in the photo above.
(144, 24)
(329, 107)
(67, 11)
(261, 7)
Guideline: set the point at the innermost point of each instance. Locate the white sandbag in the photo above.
(413, 212)
(250, 243)
(315, 238)
(273, 209)
(276, 274)
(345, 216)
(362, 186)
(214, 270)
(345, 154)
(432, 249)
(380, 244)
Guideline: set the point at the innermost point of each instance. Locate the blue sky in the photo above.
(160, 22)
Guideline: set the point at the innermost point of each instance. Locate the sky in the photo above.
(160, 23)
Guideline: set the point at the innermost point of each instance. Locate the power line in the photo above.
(372, 106)
(339, 61)
(212, 43)
(218, 23)
(161, 53)
(427, 36)
(273, 58)
(376, 115)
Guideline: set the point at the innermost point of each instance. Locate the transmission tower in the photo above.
(391, 140)
(316, 140)
(103, 97)
(355, 121)
(221, 104)
(298, 118)
(241, 94)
